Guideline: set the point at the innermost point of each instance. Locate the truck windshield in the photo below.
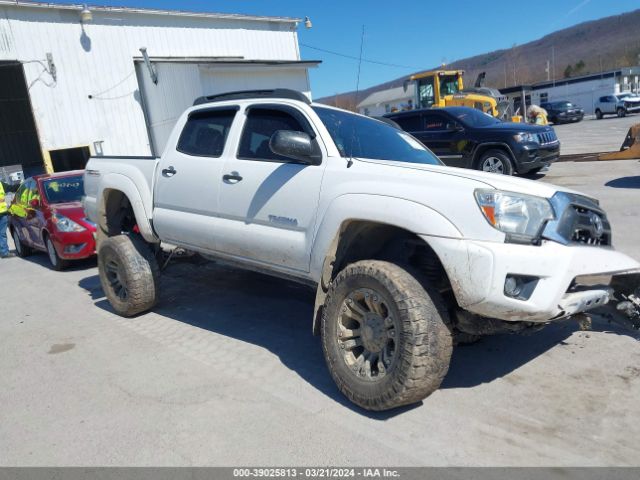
(358, 136)
(64, 190)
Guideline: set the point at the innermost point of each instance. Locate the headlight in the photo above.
(65, 224)
(526, 137)
(522, 217)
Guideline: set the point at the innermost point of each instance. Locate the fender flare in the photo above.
(123, 184)
(416, 218)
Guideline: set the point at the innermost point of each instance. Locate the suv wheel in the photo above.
(384, 336)
(129, 274)
(495, 161)
(621, 112)
(21, 249)
(598, 114)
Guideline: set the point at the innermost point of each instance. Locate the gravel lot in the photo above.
(226, 372)
(594, 136)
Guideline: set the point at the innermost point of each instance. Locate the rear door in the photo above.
(188, 180)
(268, 203)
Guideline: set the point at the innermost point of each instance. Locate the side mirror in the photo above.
(294, 145)
(34, 203)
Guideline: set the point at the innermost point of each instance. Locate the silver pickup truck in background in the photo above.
(620, 104)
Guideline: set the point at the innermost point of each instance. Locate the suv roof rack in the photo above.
(246, 94)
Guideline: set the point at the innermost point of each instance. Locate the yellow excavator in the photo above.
(445, 88)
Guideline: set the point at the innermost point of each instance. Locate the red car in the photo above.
(46, 215)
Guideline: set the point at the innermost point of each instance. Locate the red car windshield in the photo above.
(64, 189)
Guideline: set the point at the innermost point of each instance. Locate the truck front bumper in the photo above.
(561, 277)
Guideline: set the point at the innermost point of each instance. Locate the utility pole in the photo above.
(548, 70)
(553, 63)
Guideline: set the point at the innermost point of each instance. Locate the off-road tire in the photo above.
(621, 112)
(57, 263)
(21, 249)
(501, 155)
(422, 344)
(599, 114)
(129, 260)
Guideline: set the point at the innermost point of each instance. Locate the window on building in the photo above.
(260, 125)
(544, 97)
(205, 133)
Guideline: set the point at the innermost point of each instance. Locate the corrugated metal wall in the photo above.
(96, 60)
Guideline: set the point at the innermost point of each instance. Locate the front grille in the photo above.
(589, 228)
(546, 138)
(579, 220)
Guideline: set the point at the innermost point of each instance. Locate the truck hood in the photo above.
(484, 179)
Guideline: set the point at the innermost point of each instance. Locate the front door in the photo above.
(268, 203)
(442, 135)
(187, 183)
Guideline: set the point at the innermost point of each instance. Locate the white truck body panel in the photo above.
(283, 217)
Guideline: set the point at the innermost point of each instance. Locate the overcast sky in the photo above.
(411, 34)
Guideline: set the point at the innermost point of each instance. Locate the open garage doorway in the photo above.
(19, 144)
(67, 159)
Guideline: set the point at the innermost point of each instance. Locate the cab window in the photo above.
(260, 125)
(432, 122)
(426, 95)
(409, 123)
(205, 133)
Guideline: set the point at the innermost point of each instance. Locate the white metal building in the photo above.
(387, 101)
(583, 91)
(86, 88)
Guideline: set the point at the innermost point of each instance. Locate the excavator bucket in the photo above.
(630, 148)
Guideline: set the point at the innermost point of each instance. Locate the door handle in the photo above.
(233, 177)
(169, 172)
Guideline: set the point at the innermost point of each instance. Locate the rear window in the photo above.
(63, 190)
(205, 133)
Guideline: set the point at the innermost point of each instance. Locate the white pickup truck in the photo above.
(620, 104)
(405, 253)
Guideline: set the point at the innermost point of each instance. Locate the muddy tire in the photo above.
(599, 114)
(384, 336)
(21, 249)
(129, 274)
(621, 112)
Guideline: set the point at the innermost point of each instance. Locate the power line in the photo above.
(352, 57)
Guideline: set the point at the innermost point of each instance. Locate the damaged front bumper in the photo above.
(553, 276)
